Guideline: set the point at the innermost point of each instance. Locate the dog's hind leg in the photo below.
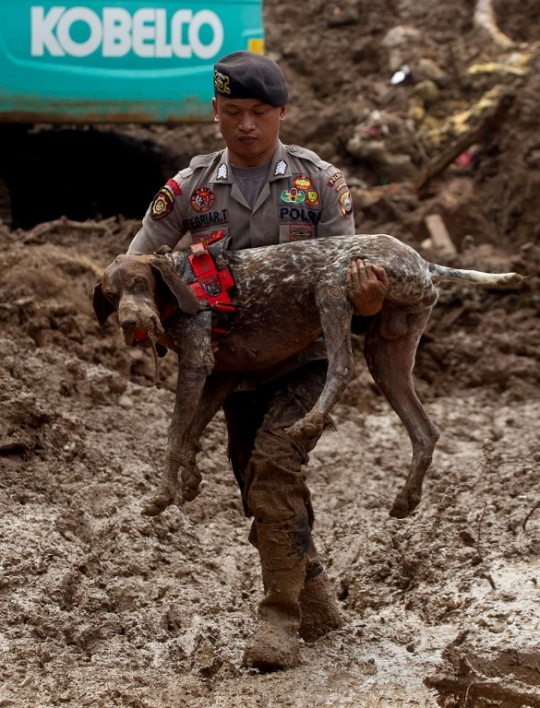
(390, 350)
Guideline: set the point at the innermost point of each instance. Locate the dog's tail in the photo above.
(475, 277)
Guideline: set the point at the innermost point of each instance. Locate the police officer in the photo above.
(261, 192)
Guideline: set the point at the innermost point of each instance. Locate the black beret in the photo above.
(248, 75)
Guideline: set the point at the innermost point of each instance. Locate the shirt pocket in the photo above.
(296, 231)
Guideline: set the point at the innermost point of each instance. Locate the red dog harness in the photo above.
(212, 285)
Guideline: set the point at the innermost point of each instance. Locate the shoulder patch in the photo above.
(334, 178)
(346, 203)
(163, 202)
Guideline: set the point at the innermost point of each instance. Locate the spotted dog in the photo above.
(285, 296)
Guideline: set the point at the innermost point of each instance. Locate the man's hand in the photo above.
(367, 285)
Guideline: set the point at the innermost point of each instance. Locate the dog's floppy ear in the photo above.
(181, 292)
(102, 307)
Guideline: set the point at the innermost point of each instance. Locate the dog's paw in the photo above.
(157, 505)
(308, 427)
(190, 492)
(404, 505)
(398, 511)
(191, 483)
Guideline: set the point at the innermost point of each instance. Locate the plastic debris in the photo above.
(400, 75)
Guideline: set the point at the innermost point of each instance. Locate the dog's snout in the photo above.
(128, 324)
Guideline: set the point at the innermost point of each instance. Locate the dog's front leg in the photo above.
(335, 312)
(190, 338)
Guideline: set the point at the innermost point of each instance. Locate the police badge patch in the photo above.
(312, 198)
(302, 182)
(293, 195)
(202, 199)
(163, 202)
(346, 203)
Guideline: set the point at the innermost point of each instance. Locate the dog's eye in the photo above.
(138, 285)
(110, 294)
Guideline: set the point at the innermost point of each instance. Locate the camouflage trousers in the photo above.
(268, 464)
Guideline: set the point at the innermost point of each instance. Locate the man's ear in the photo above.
(102, 307)
(181, 292)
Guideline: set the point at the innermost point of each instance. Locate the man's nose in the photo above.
(247, 121)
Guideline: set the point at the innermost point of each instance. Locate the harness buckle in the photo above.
(198, 249)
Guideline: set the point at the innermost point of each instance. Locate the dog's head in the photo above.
(144, 290)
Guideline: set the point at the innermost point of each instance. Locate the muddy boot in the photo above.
(319, 608)
(275, 644)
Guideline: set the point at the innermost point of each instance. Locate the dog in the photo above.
(284, 297)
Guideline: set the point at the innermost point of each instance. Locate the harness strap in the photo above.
(212, 285)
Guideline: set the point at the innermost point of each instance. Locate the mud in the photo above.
(101, 606)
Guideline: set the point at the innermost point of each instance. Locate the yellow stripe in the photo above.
(256, 46)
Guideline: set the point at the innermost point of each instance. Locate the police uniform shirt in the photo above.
(303, 197)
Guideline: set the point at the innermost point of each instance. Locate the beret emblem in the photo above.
(221, 82)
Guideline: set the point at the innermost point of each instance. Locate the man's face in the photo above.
(249, 127)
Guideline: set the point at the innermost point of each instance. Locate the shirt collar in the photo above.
(279, 166)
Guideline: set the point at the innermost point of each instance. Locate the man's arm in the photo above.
(367, 283)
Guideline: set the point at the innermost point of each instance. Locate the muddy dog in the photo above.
(285, 296)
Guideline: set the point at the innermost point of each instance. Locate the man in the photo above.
(261, 192)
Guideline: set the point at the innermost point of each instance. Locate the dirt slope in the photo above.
(100, 606)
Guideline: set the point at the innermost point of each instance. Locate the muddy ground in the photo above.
(100, 606)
